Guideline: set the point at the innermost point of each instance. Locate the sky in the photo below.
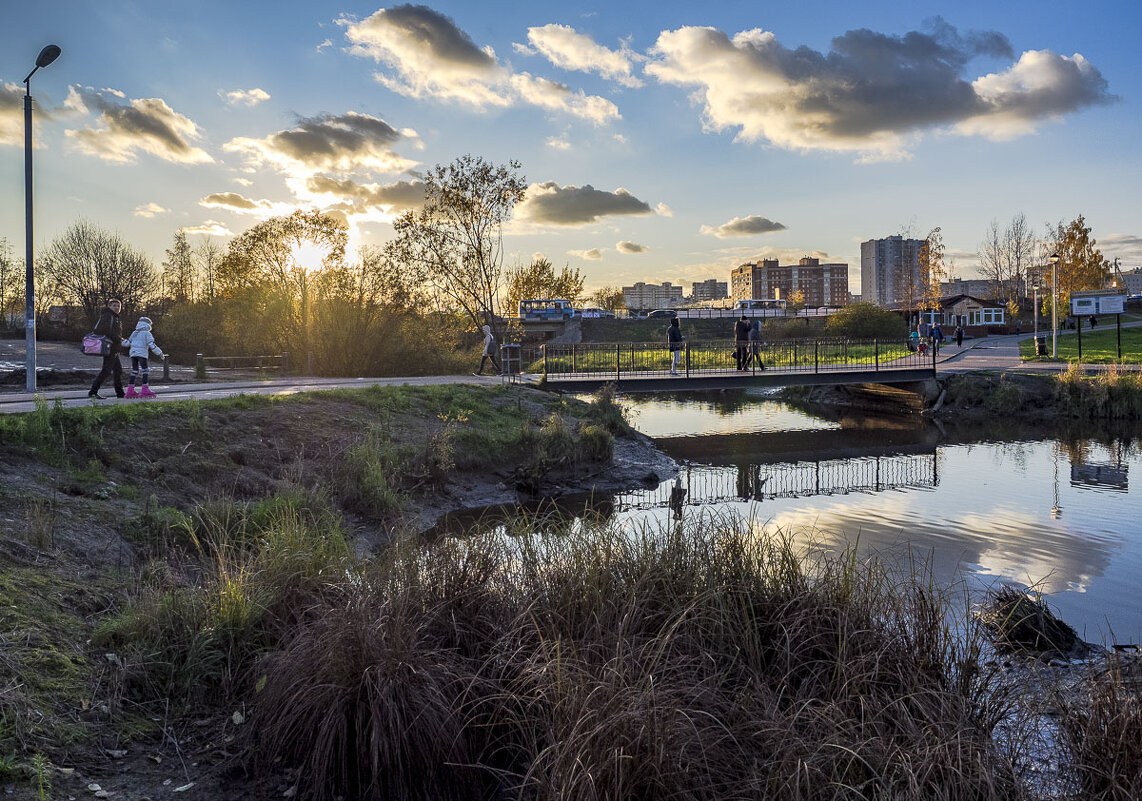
(659, 140)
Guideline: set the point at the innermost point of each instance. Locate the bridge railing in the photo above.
(713, 357)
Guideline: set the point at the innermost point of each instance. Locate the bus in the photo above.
(766, 307)
(545, 310)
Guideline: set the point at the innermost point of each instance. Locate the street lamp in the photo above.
(46, 56)
(1054, 305)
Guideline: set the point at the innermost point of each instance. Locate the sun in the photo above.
(309, 256)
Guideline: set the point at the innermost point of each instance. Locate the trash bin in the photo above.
(1041, 346)
(510, 358)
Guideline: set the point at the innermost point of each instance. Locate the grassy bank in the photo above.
(1099, 347)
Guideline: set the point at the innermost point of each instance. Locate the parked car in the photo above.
(594, 313)
(663, 313)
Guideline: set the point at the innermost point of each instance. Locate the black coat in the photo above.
(110, 327)
(741, 331)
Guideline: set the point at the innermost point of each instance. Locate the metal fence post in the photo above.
(543, 348)
(876, 353)
(199, 366)
(574, 359)
(618, 361)
(687, 359)
(166, 368)
(816, 356)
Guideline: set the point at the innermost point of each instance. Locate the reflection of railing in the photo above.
(719, 357)
(709, 485)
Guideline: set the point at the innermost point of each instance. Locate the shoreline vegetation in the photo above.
(234, 596)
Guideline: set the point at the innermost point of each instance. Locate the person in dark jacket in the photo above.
(109, 326)
(741, 341)
(674, 342)
(755, 345)
(959, 336)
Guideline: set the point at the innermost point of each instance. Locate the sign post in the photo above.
(1097, 302)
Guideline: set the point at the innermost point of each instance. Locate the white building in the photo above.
(711, 289)
(652, 296)
(1133, 281)
(890, 271)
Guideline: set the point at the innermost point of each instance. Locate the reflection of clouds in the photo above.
(659, 418)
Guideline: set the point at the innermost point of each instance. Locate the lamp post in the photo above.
(46, 56)
(1054, 305)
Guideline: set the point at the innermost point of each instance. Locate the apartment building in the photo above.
(711, 289)
(1133, 281)
(822, 284)
(890, 271)
(652, 296)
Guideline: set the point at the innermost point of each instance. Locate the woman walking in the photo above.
(674, 342)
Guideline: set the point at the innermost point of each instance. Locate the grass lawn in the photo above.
(1099, 346)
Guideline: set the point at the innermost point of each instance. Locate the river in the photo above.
(1053, 510)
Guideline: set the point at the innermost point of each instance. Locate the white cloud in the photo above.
(593, 254)
(568, 49)
(324, 44)
(662, 210)
(11, 114)
(244, 97)
(345, 142)
(240, 204)
(209, 228)
(871, 93)
(555, 96)
(123, 128)
(743, 226)
(558, 143)
(150, 210)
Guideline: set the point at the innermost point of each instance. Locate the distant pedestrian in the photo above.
(674, 342)
(914, 340)
(755, 345)
(937, 338)
(110, 327)
(741, 341)
(1093, 321)
(489, 352)
(141, 343)
(959, 334)
(925, 329)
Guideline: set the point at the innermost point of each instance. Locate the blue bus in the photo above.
(537, 310)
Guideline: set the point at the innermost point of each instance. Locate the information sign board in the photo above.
(1087, 305)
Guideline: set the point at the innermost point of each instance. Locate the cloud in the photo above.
(555, 96)
(240, 204)
(743, 226)
(568, 49)
(552, 204)
(428, 56)
(431, 56)
(345, 142)
(558, 143)
(324, 44)
(872, 93)
(150, 210)
(209, 228)
(11, 114)
(594, 254)
(127, 126)
(662, 210)
(359, 198)
(631, 248)
(244, 97)
(1127, 247)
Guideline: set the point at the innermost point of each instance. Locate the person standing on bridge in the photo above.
(755, 345)
(110, 327)
(674, 342)
(741, 341)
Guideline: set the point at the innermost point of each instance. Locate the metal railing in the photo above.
(720, 357)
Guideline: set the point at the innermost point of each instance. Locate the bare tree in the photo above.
(455, 241)
(1020, 244)
(993, 257)
(178, 270)
(86, 265)
(207, 257)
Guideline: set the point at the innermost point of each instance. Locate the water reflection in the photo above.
(1002, 504)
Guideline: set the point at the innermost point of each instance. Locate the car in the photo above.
(663, 313)
(593, 313)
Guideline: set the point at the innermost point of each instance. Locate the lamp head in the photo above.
(48, 55)
(1053, 258)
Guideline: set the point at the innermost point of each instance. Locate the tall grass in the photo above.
(1109, 394)
(704, 662)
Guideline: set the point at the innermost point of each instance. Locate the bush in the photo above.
(596, 444)
(1103, 732)
(866, 321)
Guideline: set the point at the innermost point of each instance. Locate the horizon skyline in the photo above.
(659, 143)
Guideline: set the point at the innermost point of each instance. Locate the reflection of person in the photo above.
(674, 342)
(677, 496)
(741, 341)
(489, 352)
(110, 327)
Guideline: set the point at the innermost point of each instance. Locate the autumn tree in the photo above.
(609, 298)
(539, 280)
(455, 240)
(932, 269)
(1081, 265)
(178, 269)
(10, 285)
(86, 265)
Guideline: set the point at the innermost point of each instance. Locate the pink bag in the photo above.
(96, 345)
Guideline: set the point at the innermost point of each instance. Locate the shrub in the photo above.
(605, 411)
(596, 444)
(866, 321)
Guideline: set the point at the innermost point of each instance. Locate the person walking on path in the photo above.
(741, 341)
(109, 326)
(489, 352)
(141, 343)
(959, 335)
(674, 342)
(937, 339)
(755, 345)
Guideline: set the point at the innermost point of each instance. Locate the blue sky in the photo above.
(662, 141)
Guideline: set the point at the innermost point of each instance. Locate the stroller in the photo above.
(922, 347)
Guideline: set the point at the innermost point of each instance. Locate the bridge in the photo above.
(646, 367)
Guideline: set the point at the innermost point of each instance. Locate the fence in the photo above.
(201, 363)
(717, 357)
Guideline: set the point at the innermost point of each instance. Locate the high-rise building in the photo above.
(711, 289)
(652, 296)
(1133, 281)
(890, 271)
(821, 284)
